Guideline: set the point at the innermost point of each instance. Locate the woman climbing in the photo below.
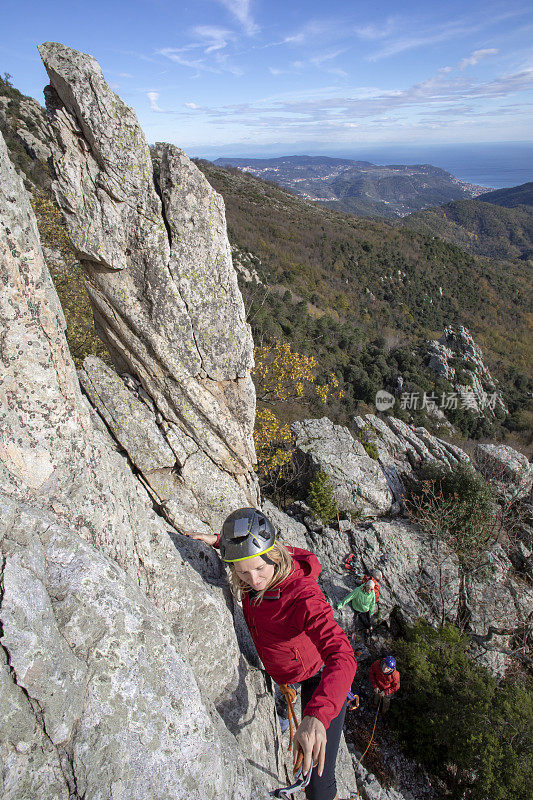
(363, 600)
(385, 680)
(296, 637)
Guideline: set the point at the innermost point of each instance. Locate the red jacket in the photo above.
(376, 586)
(295, 635)
(389, 683)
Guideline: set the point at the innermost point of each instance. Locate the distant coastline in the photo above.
(495, 165)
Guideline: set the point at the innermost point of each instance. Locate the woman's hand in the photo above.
(208, 538)
(310, 738)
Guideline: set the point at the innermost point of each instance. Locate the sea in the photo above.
(494, 165)
(497, 166)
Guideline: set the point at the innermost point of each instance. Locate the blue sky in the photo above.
(219, 76)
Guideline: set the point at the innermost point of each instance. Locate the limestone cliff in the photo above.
(117, 659)
(162, 285)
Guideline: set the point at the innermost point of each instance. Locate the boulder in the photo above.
(26, 124)
(402, 448)
(500, 608)
(359, 484)
(508, 471)
(457, 344)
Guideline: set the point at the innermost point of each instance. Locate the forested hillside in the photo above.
(510, 198)
(361, 295)
(482, 227)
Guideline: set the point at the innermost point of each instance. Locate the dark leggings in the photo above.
(324, 788)
(365, 619)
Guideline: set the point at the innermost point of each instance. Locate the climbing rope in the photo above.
(354, 797)
(290, 695)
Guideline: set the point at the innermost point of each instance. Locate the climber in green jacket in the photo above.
(363, 600)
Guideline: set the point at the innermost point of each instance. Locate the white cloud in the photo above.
(176, 54)
(153, 97)
(319, 59)
(212, 60)
(216, 38)
(376, 31)
(315, 30)
(241, 10)
(440, 96)
(420, 35)
(477, 56)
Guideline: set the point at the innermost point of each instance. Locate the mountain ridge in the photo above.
(521, 195)
(499, 225)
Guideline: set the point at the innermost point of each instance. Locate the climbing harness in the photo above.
(301, 780)
(353, 701)
(300, 783)
(290, 695)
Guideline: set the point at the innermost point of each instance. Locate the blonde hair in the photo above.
(282, 559)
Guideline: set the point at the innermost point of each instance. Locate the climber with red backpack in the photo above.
(375, 575)
(363, 601)
(296, 637)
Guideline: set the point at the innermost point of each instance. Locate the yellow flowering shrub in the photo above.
(279, 374)
(273, 442)
(282, 376)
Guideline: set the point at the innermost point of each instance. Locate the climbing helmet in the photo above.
(246, 533)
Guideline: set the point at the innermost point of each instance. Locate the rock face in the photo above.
(359, 483)
(457, 345)
(509, 471)
(161, 282)
(420, 574)
(402, 447)
(96, 699)
(365, 486)
(23, 122)
(121, 673)
(500, 610)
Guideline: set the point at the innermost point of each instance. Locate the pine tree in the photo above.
(321, 498)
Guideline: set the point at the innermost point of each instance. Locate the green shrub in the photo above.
(464, 725)
(371, 450)
(69, 282)
(321, 498)
(366, 437)
(457, 506)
